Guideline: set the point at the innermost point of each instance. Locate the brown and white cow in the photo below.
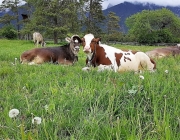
(38, 39)
(164, 52)
(109, 58)
(67, 54)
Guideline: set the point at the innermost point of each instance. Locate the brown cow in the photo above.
(67, 54)
(110, 58)
(164, 52)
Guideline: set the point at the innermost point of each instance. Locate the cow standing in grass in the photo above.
(67, 54)
(38, 39)
(109, 58)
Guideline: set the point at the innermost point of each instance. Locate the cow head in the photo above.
(75, 42)
(43, 44)
(89, 43)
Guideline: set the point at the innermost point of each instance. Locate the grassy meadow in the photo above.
(78, 105)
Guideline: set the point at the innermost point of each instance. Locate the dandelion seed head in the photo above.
(141, 77)
(46, 107)
(36, 120)
(24, 88)
(166, 71)
(132, 91)
(13, 113)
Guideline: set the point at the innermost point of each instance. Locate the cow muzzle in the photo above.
(77, 48)
(87, 49)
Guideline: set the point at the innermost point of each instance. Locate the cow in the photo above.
(66, 54)
(38, 39)
(158, 53)
(110, 58)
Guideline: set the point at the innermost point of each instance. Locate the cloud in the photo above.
(21, 2)
(157, 2)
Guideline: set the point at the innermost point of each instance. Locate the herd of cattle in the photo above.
(98, 55)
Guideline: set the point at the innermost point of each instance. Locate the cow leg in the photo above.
(36, 60)
(65, 62)
(37, 43)
(105, 67)
(86, 69)
(34, 41)
(32, 63)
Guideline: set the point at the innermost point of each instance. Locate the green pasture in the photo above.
(78, 105)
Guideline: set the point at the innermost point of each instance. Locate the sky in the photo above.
(157, 2)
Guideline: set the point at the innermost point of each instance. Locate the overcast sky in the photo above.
(158, 2)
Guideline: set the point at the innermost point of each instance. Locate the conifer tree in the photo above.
(95, 18)
(55, 18)
(113, 27)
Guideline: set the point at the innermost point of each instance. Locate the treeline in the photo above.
(154, 26)
(56, 19)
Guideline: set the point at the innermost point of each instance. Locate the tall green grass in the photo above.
(74, 104)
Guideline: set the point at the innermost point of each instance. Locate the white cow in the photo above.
(38, 39)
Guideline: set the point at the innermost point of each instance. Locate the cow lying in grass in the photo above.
(109, 58)
(164, 52)
(67, 54)
(38, 39)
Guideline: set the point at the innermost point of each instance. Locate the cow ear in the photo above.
(98, 40)
(68, 39)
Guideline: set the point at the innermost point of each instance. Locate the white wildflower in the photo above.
(132, 91)
(36, 120)
(13, 113)
(141, 77)
(166, 71)
(24, 88)
(46, 107)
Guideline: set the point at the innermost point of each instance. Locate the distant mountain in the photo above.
(21, 11)
(126, 9)
(109, 5)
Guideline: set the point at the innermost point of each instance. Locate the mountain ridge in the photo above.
(133, 8)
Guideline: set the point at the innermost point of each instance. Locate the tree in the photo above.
(95, 18)
(9, 32)
(154, 26)
(113, 27)
(27, 9)
(112, 23)
(6, 19)
(56, 18)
